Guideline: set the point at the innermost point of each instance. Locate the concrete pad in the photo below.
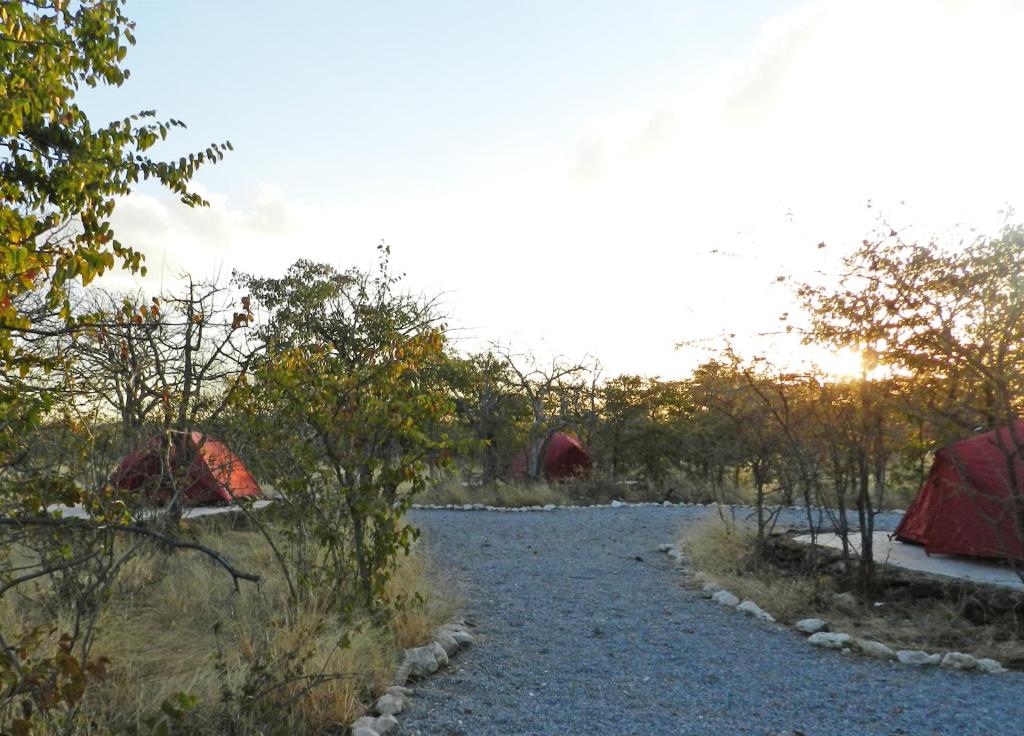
(913, 557)
(191, 512)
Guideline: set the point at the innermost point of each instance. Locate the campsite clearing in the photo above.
(584, 629)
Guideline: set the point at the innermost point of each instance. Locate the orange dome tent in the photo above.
(973, 500)
(214, 475)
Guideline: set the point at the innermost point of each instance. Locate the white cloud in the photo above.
(672, 222)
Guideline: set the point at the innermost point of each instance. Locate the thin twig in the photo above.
(43, 521)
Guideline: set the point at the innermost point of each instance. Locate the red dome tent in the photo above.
(972, 501)
(215, 474)
(564, 457)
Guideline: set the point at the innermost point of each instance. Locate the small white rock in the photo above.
(400, 692)
(752, 609)
(402, 674)
(811, 625)
(385, 723)
(829, 640)
(365, 723)
(447, 641)
(875, 649)
(959, 661)
(710, 589)
(389, 704)
(665, 547)
(917, 657)
(464, 638)
(725, 598)
(549, 507)
(421, 661)
(439, 654)
(992, 666)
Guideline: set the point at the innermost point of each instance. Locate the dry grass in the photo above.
(510, 495)
(932, 626)
(416, 578)
(724, 552)
(255, 662)
(581, 492)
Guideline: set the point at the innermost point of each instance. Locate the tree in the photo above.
(624, 408)
(60, 178)
(950, 318)
(163, 367)
(735, 392)
(558, 396)
(492, 412)
(341, 413)
(640, 428)
(948, 323)
(61, 175)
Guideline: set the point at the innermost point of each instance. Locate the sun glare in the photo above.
(843, 363)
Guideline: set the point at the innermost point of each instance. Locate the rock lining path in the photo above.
(578, 636)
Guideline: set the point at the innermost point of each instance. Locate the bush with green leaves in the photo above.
(344, 417)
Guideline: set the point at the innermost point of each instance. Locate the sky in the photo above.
(583, 178)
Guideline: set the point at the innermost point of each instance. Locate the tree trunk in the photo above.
(490, 469)
(536, 460)
(866, 519)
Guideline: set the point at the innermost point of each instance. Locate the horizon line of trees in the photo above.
(737, 427)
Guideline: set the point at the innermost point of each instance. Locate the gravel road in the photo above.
(583, 629)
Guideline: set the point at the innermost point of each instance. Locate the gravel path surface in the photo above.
(578, 636)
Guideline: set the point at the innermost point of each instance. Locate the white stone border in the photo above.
(613, 505)
(546, 507)
(418, 662)
(819, 635)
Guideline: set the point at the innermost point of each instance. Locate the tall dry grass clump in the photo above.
(726, 552)
(248, 661)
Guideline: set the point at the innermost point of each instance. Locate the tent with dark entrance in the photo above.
(207, 472)
(564, 457)
(972, 501)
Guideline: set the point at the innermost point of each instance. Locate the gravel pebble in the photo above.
(576, 636)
